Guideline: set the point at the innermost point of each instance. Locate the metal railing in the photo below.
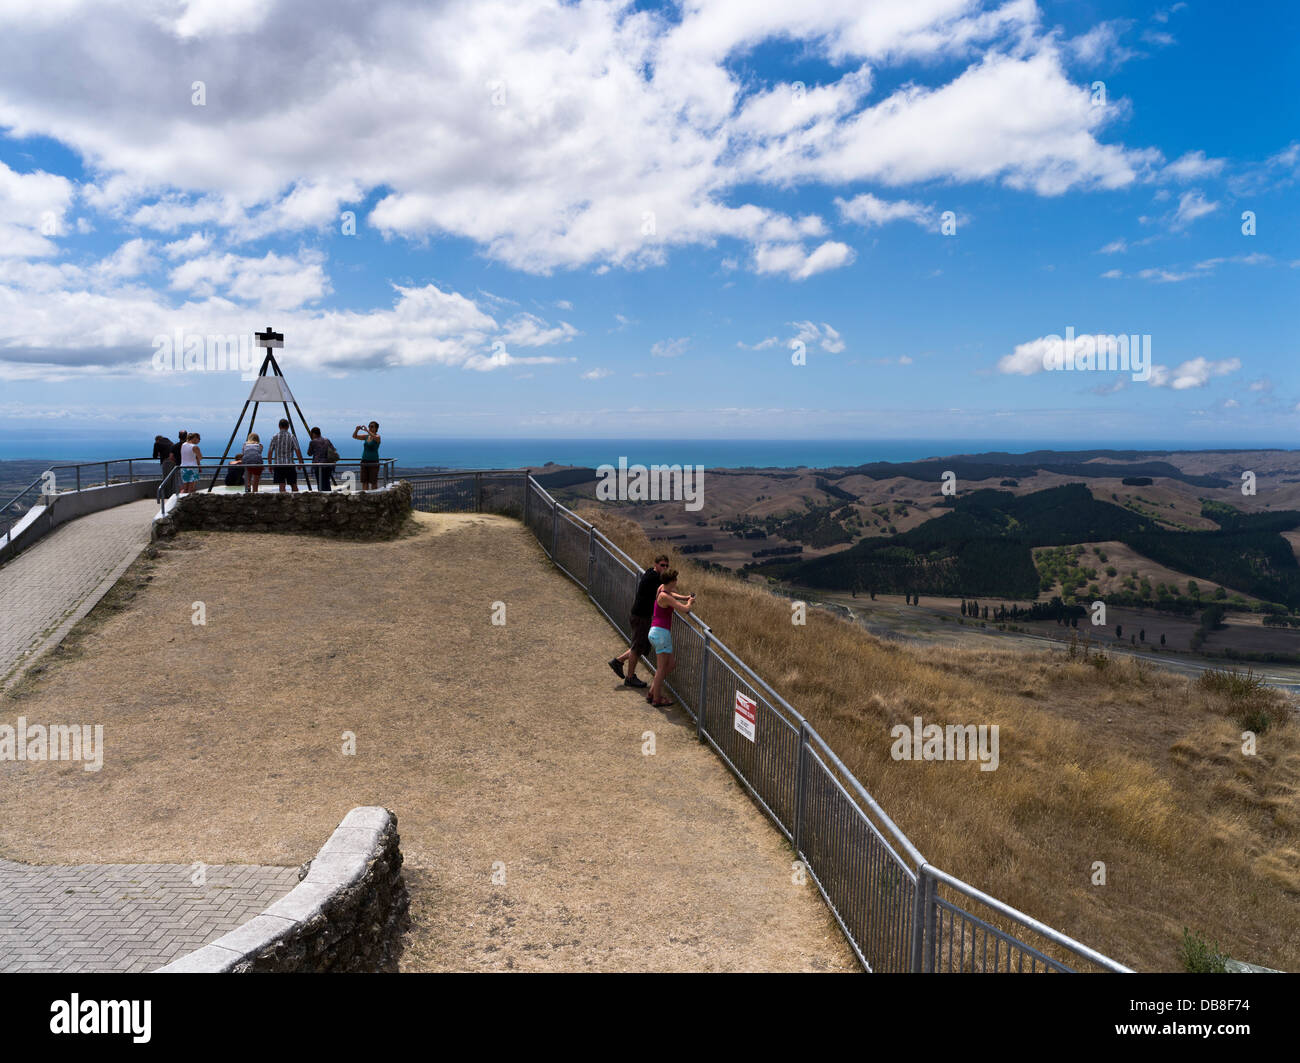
(267, 484)
(897, 911)
(55, 481)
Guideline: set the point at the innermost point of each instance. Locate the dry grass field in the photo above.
(1114, 762)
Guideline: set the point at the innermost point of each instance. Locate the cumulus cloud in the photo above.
(272, 282)
(194, 244)
(1194, 373)
(108, 327)
(551, 135)
(32, 210)
(868, 210)
(799, 264)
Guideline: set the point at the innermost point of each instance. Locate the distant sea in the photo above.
(411, 451)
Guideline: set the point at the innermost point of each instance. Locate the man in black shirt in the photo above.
(175, 456)
(647, 589)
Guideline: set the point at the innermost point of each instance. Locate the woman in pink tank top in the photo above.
(667, 601)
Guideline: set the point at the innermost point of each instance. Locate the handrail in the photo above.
(1064, 940)
(12, 519)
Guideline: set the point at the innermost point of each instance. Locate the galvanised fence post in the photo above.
(591, 556)
(704, 687)
(478, 492)
(801, 773)
(528, 490)
(555, 527)
(923, 923)
(78, 477)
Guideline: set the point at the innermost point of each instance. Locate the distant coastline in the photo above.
(465, 453)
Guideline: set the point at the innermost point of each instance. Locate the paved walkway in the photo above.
(125, 917)
(47, 588)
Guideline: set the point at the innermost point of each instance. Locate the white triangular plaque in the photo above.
(271, 389)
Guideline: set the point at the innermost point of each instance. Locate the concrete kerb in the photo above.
(363, 843)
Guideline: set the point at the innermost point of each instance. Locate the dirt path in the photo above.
(536, 832)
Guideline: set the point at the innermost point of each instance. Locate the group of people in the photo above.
(651, 622)
(284, 455)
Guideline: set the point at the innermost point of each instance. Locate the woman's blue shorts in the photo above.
(661, 639)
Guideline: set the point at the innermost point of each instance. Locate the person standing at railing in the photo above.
(321, 451)
(639, 622)
(191, 459)
(181, 436)
(162, 452)
(252, 463)
(284, 447)
(667, 602)
(369, 455)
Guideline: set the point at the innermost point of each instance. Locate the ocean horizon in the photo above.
(494, 453)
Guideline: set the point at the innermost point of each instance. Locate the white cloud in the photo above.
(761, 345)
(810, 333)
(867, 210)
(597, 374)
(92, 322)
(194, 244)
(1101, 46)
(1164, 276)
(130, 260)
(32, 209)
(1195, 373)
(798, 264)
(546, 133)
(1194, 165)
(1114, 247)
(670, 348)
(272, 282)
(529, 330)
(1192, 205)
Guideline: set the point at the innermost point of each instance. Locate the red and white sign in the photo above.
(746, 715)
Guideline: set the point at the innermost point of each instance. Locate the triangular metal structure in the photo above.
(267, 387)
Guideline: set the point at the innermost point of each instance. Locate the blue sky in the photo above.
(595, 219)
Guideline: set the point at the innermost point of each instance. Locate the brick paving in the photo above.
(125, 917)
(64, 574)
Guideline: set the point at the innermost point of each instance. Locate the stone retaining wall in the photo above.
(347, 914)
(360, 515)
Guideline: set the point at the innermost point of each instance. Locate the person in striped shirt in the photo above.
(284, 447)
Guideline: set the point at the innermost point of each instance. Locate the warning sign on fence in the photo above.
(746, 715)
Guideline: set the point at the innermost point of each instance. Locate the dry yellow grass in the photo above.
(1123, 764)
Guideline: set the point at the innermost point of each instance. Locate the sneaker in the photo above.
(617, 665)
(633, 681)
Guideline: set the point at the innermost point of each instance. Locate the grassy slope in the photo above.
(1126, 765)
